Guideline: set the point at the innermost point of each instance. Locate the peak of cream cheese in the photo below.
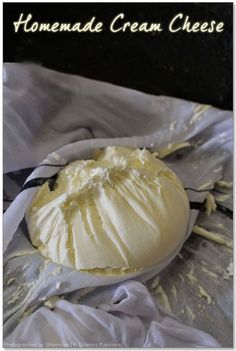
(123, 211)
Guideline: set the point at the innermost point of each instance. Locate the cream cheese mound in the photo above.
(121, 212)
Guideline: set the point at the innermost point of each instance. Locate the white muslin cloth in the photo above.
(60, 118)
(129, 318)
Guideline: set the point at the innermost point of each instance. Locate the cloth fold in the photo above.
(130, 318)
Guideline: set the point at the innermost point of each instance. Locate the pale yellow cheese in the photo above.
(218, 238)
(210, 204)
(124, 211)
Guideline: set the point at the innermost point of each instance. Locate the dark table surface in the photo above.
(193, 66)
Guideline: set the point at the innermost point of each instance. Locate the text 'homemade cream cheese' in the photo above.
(122, 211)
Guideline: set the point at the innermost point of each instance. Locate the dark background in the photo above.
(194, 66)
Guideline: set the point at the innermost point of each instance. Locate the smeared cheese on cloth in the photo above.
(163, 152)
(210, 204)
(122, 211)
(218, 238)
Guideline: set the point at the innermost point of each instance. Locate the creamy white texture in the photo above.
(124, 211)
